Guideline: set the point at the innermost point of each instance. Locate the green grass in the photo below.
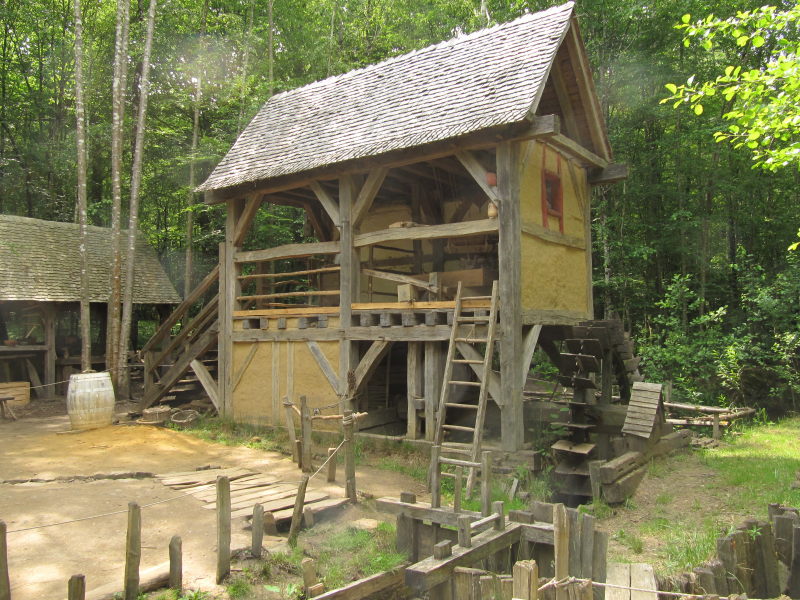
(630, 540)
(353, 553)
(238, 587)
(686, 549)
(228, 433)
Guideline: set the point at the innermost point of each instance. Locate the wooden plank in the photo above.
(369, 586)
(599, 564)
(206, 380)
(206, 476)
(793, 585)
(561, 537)
(288, 251)
(327, 201)
(324, 365)
(431, 572)
(260, 495)
(619, 574)
(285, 514)
(223, 529)
(612, 173)
(623, 488)
(280, 504)
(427, 232)
(613, 469)
(398, 278)
(643, 577)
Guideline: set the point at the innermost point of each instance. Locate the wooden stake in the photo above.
(465, 531)
(457, 489)
(76, 588)
(258, 531)
(176, 563)
(287, 407)
(223, 528)
(305, 432)
(793, 586)
(309, 574)
(331, 464)
(5, 582)
(435, 477)
(297, 515)
(561, 545)
(349, 456)
(526, 580)
(486, 483)
(270, 526)
(133, 551)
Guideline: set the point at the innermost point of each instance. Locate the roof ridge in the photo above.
(51, 223)
(453, 41)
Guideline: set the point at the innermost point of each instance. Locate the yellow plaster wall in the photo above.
(253, 397)
(554, 271)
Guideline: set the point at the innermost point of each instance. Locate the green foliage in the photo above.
(238, 587)
(762, 101)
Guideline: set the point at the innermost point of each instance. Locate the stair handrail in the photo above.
(190, 331)
(182, 309)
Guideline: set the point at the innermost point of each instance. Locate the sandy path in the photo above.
(42, 560)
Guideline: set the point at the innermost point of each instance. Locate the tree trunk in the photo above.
(80, 135)
(136, 179)
(118, 115)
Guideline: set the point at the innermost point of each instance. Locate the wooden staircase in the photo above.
(472, 340)
(169, 358)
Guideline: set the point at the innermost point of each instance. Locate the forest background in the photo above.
(691, 251)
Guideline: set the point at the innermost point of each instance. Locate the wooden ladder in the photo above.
(464, 331)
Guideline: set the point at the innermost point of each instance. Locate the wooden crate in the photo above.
(21, 390)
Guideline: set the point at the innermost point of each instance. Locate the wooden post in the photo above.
(350, 270)
(407, 529)
(561, 545)
(599, 563)
(459, 482)
(594, 479)
(465, 531)
(331, 465)
(270, 526)
(793, 586)
(176, 563)
(223, 528)
(510, 266)
(297, 515)
(49, 325)
(5, 582)
(287, 407)
(486, 482)
(467, 584)
(305, 429)
(414, 387)
(715, 430)
(133, 551)
(309, 574)
(258, 531)
(526, 580)
(434, 371)
(349, 456)
(76, 588)
(500, 509)
(435, 477)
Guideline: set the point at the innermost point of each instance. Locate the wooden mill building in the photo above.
(425, 178)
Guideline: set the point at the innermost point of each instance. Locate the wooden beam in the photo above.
(528, 348)
(288, 251)
(531, 127)
(367, 193)
(348, 281)
(510, 257)
(478, 172)
(324, 365)
(243, 367)
(611, 174)
(427, 232)
(548, 235)
(564, 101)
(245, 221)
(574, 150)
(369, 586)
(207, 381)
(327, 201)
(398, 278)
(431, 572)
(370, 361)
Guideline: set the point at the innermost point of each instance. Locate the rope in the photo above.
(330, 456)
(108, 514)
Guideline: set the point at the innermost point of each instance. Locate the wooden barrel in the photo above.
(90, 400)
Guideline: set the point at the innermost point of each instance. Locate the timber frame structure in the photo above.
(467, 162)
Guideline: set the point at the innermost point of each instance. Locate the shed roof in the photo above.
(40, 260)
(489, 78)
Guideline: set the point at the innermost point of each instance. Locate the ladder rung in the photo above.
(457, 405)
(470, 383)
(458, 428)
(467, 361)
(473, 340)
(475, 298)
(446, 474)
(473, 319)
(451, 449)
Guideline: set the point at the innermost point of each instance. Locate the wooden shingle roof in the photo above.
(490, 78)
(40, 260)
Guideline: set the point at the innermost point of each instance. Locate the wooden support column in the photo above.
(348, 282)
(414, 385)
(509, 249)
(49, 324)
(434, 370)
(229, 289)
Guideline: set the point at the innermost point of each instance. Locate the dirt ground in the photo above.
(42, 556)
